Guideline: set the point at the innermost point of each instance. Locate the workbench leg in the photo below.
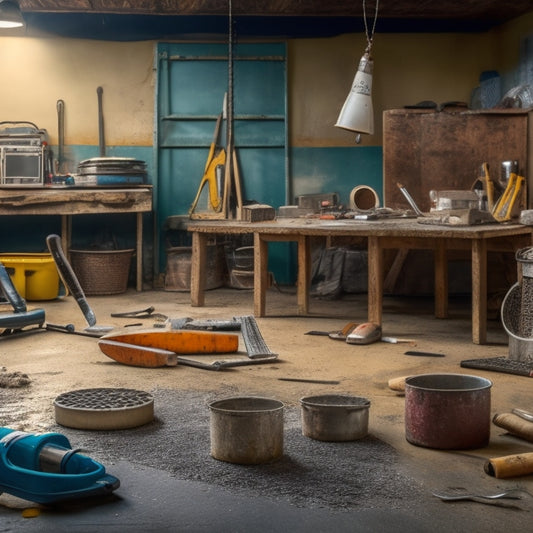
(66, 233)
(479, 291)
(441, 280)
(304, 274)
(139, 269)
(260, 274)
(375, 280)
(198, 268)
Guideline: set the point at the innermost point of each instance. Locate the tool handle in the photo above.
(60, 132)
(101, 134)
(510, 465)
(69, 277)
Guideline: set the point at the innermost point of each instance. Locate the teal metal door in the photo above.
(192, 80)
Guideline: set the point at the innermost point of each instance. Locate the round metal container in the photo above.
(334, 417)
(520, 347)
(246, 430)
(447, 411)
(104, 408)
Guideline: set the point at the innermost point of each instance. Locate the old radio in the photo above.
(23, 155)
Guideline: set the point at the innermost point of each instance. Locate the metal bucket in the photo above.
(520, 348)
(246, 430)
(447, 411)
(334, 417)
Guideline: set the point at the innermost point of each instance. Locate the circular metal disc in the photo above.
(104, 408)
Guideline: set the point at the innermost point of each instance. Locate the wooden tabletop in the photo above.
(391, 227)
(74, 200)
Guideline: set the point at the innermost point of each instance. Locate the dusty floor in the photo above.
(382, 474)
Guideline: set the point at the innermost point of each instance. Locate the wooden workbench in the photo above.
(69, 201)
(383, 234)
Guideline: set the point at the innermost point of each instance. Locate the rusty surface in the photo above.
(427, 151)
(447, 411)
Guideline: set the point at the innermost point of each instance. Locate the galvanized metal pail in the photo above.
(335, 417)
(246, 430)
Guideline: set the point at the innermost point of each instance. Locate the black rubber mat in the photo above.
(500, 364)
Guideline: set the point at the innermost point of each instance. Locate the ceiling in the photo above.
(148, 19)
(485, 10)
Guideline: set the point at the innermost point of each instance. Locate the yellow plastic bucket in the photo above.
(34, 275)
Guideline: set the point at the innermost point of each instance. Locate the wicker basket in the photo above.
(102, 272)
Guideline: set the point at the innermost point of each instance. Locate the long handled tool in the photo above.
(410, 199)
(71, 282)
(232, 183)
(156, 348)
(101, 133)
(20, 318)
(214, 161)
(71, 330)
(61, 136)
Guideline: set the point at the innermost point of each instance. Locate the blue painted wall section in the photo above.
(336, 169)
(325, 170)
(312, 170)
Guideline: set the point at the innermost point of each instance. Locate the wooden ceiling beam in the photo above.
(390, 9)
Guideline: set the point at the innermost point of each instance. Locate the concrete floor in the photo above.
(169, 481)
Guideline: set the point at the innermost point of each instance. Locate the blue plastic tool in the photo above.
(45, 469)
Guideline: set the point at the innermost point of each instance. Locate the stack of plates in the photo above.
(111, 172)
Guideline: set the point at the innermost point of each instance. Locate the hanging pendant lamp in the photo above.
(10, 15)
(357, 113)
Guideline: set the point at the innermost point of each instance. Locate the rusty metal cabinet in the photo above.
(444, 150)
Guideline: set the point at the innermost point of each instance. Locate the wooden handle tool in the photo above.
(510, 465)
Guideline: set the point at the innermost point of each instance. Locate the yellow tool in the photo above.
(213, 161)
(503, 209)
(488, 185)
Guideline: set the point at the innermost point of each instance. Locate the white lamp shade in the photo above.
(357, 113)
(10, 15)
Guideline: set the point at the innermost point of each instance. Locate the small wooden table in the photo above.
(68, 201)
(382, 234)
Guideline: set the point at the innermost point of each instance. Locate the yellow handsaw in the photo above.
(213, 161)
(503, 209)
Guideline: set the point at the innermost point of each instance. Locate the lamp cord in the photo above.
(370, 36)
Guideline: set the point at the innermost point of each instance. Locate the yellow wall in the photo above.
(38, 72)
(408, 68)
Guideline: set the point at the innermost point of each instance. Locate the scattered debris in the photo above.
(366, 333)
(520, 464)
(515, 425)
(424, 354)
(398, 340)
(13, 380)
(253, 340)
(319, 381)
(148, 312)
(397, 384)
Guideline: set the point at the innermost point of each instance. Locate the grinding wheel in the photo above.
(104, 408)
